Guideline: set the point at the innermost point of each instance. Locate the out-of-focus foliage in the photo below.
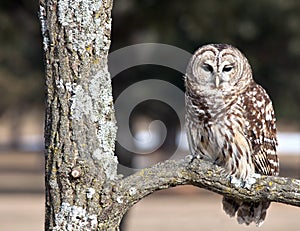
(267, 32)
(21, 60)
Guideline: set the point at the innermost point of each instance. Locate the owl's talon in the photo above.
(251, 180)
(236, 181)
(189, 158)
(256, 175)
(192, 157)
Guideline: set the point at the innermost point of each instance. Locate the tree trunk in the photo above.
(80, 126)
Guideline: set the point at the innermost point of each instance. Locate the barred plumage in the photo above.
(230, 121)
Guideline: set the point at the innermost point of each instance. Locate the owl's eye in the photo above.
(227, 68)
(208, 68)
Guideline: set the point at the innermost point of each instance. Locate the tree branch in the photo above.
(205, 175)
(200, 173)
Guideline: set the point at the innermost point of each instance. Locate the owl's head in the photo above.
(218, 68)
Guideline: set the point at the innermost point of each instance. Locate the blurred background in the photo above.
(267, 32)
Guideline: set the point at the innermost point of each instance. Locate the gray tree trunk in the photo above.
(80, 127)
(83, 191)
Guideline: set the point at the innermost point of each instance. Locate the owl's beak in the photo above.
(217, 81)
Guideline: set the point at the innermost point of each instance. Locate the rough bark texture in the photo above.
(80, 126)
(83, 191)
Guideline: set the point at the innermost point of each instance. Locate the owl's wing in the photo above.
(261, 130)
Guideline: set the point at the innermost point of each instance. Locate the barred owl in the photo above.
(230, 121)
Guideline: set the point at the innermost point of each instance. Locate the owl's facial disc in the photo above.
(218, 75)
(218, 68)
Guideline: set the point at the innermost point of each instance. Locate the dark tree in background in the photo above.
(21, 64)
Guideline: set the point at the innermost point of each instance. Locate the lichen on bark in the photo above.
(80, 126)
(87, 14)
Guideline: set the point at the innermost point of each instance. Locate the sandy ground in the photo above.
(202, 212)
(21, 212)
(174, 212)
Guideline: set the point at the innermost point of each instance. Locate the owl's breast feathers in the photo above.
(238, 133)
(197, 109)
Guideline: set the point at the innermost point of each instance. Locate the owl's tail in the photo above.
(247, 212)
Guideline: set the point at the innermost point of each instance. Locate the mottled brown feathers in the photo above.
(230, 121)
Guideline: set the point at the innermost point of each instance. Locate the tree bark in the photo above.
(83, 190)
(80, 127)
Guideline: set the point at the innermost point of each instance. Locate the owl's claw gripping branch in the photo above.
(192, 157)
(238, 182)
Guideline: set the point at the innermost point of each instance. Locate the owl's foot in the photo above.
(251, 180)
(238, 182)
(193, 157)
(189, 158)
